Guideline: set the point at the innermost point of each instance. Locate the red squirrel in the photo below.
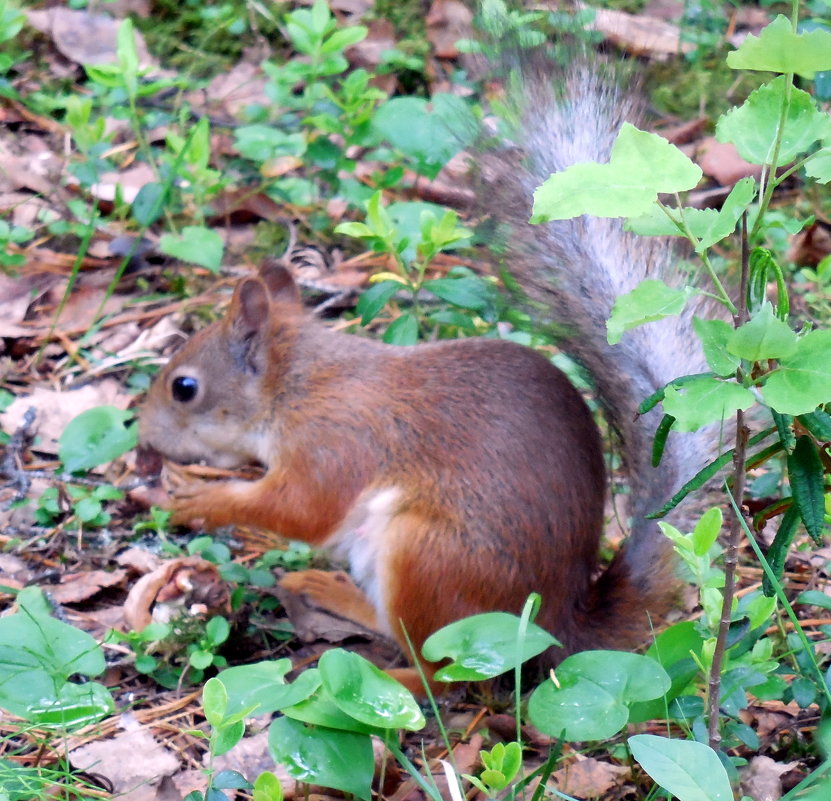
(455, 477)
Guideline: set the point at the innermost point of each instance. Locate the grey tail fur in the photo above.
(577, 269)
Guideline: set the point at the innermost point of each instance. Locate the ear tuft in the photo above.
(280, 282)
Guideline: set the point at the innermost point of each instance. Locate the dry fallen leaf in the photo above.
(590, 778)
(762, 778)
(75, 587)
(639, 34)
(721, 160)
(133, 761)
(56, 409)
(84, 37)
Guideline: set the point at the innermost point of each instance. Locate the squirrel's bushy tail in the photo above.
(577, 268)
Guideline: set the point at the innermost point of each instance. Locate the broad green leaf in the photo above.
(641, 165)
(338, 759)
(649, 301)
(483, 646)
(38, 654)
(149, 203)
(373, 300)
(267, 787)
(214, 701)
(594, 690)
(724, 224)
(705, 400)
(429, 132)
(814, 598)
(76, 705)
(805, 473)
(714, 336)
(672, 649)
(343, 38)
(197, 245)
(226, 737)
(402, 331)
(689, 770)
(706, 531)
(263, 686)
(752, 127)
(802, 381)
(95, 437)
(779, 49)
(666, 221)
(320, 709)
(263, 142)
(764, 336)
(818, 166)
(466, 292)
(368, 694)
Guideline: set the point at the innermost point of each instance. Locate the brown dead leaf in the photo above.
(590, 778)
(84, 37)
(367, 53)
(189, 584)
(17, 294)
(229, 93)
(139, 560)
(447, 22)
(133, 761)
(129, 182)
(811, 245)
(761, 778)
(55, 409)
(639, 34)
(721, 161)
(75, 587)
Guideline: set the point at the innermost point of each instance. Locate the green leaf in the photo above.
(802, 381)
(226, 737)
(779, 49)
(345, 37)
(149, 203)
(214, 701)
(402, 331)
(373, 300)
(724, 224)
(429, 132)
(649, 301)
(714, 336)
(818, 423)
(594, 689)
(672, 649)
(95, 437)
(262, 687)
(641, 165)
(818, 166)
(814, 598)
(706, 531)
(705, 400)
(337, 759)
(778, 551)
(368, 694)
(263, 142)
(267, 787)
(469, 292)
(230, 780)
(197, 245)
(752, 127)
(483, 646)
(764, 336)
(689, 770)
(38, 654)
(805, 473)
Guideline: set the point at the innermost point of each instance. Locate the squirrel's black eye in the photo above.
(184, 388)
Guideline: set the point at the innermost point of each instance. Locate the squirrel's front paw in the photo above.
(190, 504)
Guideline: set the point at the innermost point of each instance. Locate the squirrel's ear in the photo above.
(248, 313)
(280, 283)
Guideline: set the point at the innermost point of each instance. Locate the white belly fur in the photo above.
(360, 542)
